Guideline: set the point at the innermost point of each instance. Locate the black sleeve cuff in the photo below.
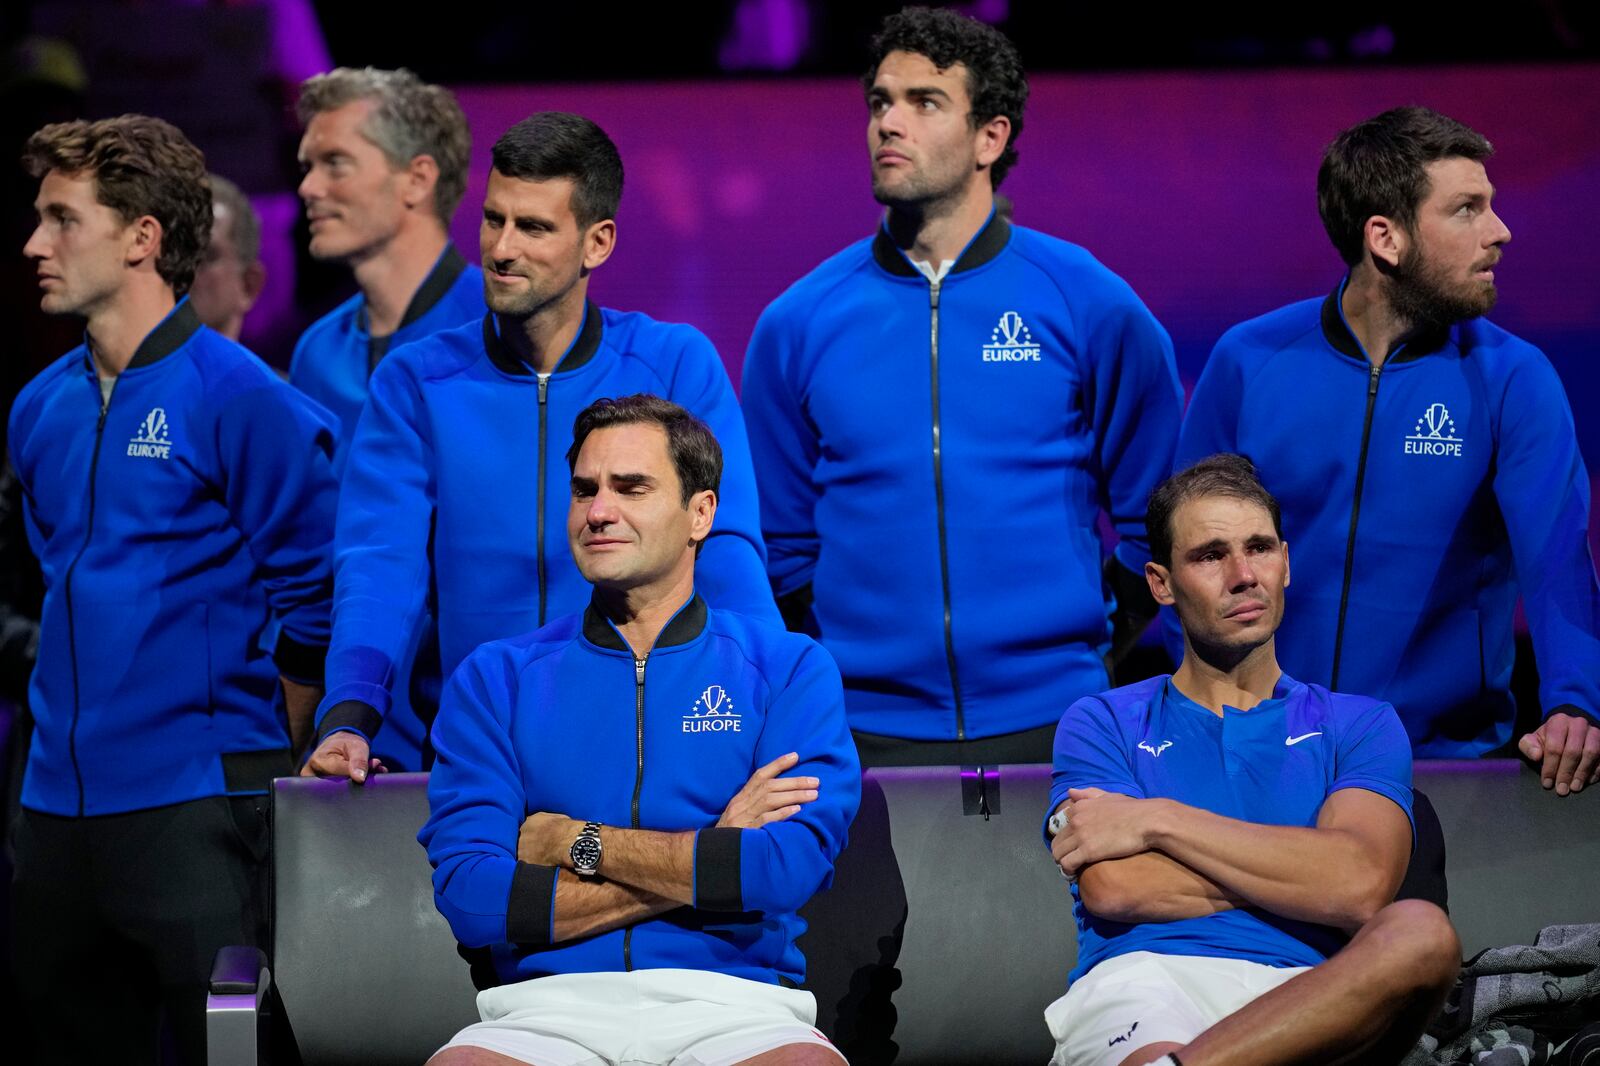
(795, 607)
(717, 884)
(533, 897)
(1575, 712)
(1131, 590)
(350, 714)
(299, 662)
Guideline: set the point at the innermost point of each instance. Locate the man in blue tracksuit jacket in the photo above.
(1426, 460)
(385, 157)
(950, 369)
(180, 500)
(455, 481)
(607, 818)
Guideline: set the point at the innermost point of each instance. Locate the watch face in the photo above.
(585, 853)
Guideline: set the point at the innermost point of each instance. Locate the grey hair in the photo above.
(245, 227)
(411, 118)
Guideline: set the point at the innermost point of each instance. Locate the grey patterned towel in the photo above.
(1509, 1002)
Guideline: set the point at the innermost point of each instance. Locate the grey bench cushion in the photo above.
(943, 939)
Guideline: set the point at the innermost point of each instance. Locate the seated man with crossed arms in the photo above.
(1236, 837)
(582, 828)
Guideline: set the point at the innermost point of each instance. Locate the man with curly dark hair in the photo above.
(1029, 381)
(179, 498)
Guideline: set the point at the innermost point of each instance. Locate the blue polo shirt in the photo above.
(1274, 764)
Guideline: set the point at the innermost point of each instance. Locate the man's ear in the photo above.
(599, 240)
(1159, 579)
(1285, 564)
(992, 137)
(702, 513)
(421, 178)
(1386, 240)
(143, 237)
(254, 279)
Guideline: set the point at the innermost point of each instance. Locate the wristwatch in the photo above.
(585, 851)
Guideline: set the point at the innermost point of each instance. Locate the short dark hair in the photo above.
(996, 81)
(1225, 474)
(141, 166)
(696, 455)
(1378, 167)
(409, 118)
(557, 144)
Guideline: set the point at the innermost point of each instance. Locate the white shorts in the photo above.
(677, 1017)
(1142, 998)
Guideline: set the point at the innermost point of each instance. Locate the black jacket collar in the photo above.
(433, 288)
(985, 246)
(172, 333)
(583, 349)
(683, 627)
(1343, 341)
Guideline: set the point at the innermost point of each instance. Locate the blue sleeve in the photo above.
(1211, 423)
(1135, 406)
(1090, 752)
(476, 803)
(381, 564)
(777, 868)
(274, 453)
(1543, 491)
(1374, 753)
(783, 445)
(731, 571)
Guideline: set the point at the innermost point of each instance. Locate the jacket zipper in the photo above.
(544, 391)
(72, 634)
(1355, 515)
(638, 782)
(938, 495)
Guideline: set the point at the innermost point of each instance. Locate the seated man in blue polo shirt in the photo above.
(1235, 837)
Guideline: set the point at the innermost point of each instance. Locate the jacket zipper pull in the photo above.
(638, 671)
(1372, 381)
(544, 387)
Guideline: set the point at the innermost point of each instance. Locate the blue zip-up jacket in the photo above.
(332, 363)
(565, 720)
(1417, 498)
(171, 526)
(335, 356)
(458, 478)
(933, 461)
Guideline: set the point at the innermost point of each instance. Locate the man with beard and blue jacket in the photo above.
(606, 816)
(1426, 460)
(949, 370)
(180, 501)
(454, 486)
(385, 157)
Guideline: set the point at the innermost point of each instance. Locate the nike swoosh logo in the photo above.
(1291, 741)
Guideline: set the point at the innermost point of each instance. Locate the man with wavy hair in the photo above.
(179, 498)
(385, 159)
(1028, 380)
(1426, 457)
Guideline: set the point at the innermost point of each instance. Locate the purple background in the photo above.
(1199, 188)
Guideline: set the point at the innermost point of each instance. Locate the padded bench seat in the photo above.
(947, 931)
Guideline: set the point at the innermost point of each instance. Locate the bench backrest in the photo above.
(945, 935)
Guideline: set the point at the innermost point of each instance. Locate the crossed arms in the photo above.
(647, 872)
(1158, 860)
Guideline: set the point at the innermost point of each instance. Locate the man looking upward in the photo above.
(951, 368)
